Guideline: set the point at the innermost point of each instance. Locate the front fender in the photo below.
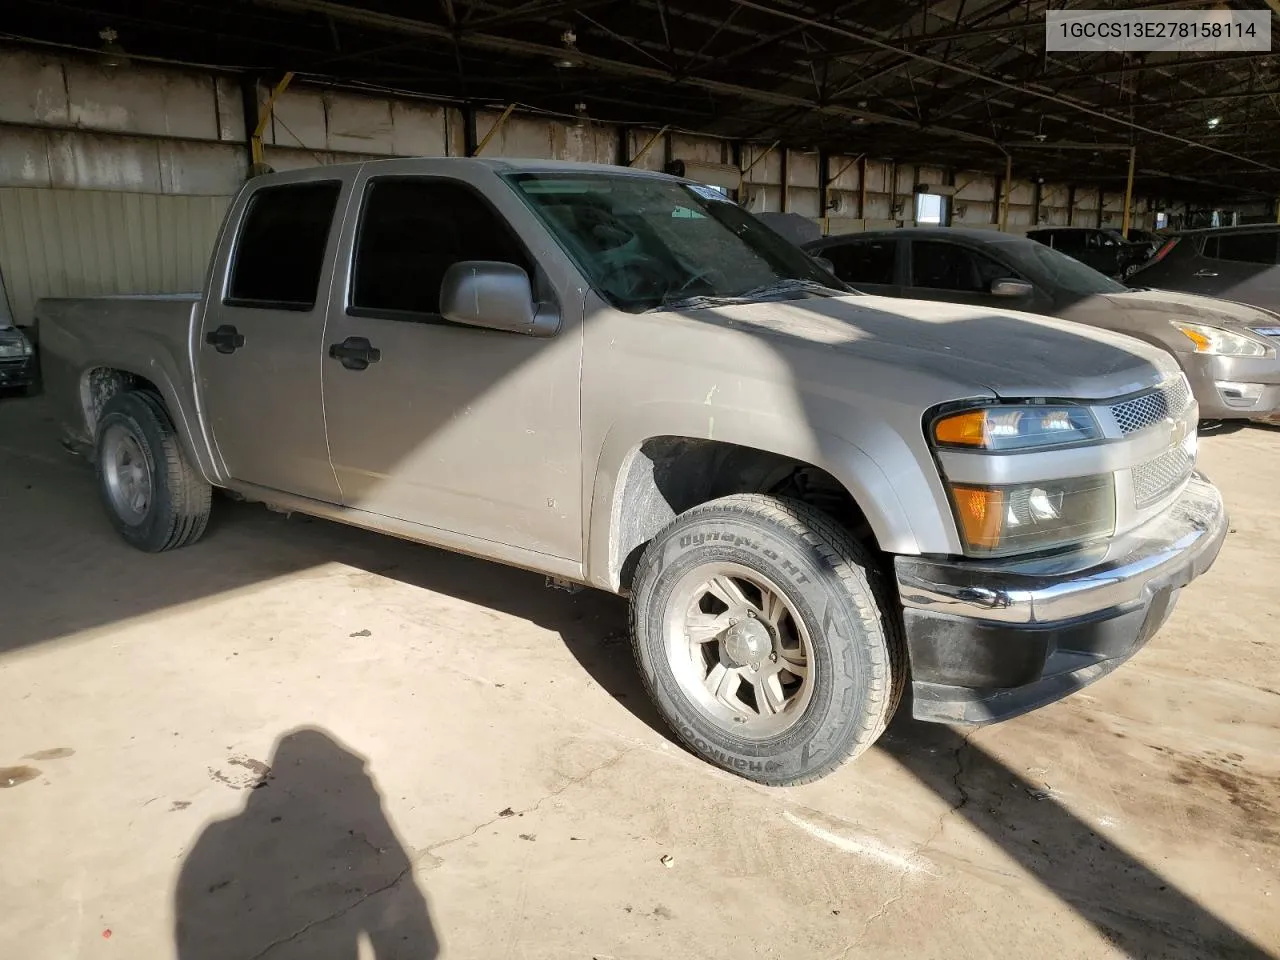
(853, 467)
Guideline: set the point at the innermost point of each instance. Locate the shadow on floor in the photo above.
(49, 511)
(309, 868)
(1130, 905)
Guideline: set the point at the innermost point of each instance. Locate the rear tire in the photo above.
(766, 637)
(155, 499)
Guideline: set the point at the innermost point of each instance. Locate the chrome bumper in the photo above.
(989, 640)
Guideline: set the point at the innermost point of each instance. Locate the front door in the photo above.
(941, 270)
(258, 355)
(462, 429)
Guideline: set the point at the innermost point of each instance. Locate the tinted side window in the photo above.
(946, 266)
(863, 261)
(411, 232)
(1069, 242)
(1246, 247)
(279, 254)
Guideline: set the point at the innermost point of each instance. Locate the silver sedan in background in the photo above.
(1228, 350)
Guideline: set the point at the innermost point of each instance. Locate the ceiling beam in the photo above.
(1021, 88)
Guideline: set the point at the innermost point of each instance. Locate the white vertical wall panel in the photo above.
(688, 146)
(76, 243)
(32, 89)
(142, 99)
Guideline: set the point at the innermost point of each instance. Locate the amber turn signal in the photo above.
(968, 429)
(980, 511)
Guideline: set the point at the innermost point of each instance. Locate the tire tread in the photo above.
(855, 569)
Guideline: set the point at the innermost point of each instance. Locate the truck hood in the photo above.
(1174, 305)
(1008, 353)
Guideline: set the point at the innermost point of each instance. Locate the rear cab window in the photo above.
(279, 253)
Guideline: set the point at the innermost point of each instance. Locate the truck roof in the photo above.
(499, 164)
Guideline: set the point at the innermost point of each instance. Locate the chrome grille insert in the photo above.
(1156, 479)
(1168, 401)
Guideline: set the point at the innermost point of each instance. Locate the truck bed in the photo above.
(88, 345)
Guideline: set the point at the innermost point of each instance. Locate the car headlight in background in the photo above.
(13, 343)
(1016, 427)
(1029, 517)
(1220, 342)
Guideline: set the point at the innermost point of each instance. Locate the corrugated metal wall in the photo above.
(73, 243)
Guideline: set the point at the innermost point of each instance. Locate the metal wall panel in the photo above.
(80, 243)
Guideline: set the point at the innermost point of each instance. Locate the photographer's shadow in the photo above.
(308, 868)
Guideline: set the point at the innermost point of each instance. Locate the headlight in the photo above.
(997, 521)
(1016, 427)
(1215, 340)
(13, 343)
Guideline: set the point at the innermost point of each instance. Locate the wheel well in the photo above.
(666, 476)
(99, 385)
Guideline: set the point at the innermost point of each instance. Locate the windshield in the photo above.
(1060, 273)
(645, 242)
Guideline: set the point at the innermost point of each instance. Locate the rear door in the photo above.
(1237, 266)
(869, 264)
(261, 338)
(943, 270)
(462, 429)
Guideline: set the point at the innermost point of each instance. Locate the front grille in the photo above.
(1156, 479)
(1169, 401)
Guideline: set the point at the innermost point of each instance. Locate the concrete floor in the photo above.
(300, 740)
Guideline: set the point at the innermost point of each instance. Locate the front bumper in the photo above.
(1230, 388)
(992, 640)
(19, 372)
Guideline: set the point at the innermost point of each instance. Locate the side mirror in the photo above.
(1011, 288)
(495, 296)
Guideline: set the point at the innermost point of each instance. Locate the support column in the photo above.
(1128, 194)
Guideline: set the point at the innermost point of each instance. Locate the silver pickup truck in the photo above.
(621, 379)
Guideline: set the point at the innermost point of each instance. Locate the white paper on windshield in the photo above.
(707, 193)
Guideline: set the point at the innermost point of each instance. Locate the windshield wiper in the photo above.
(787, 285)
(777, 288)
(695, 302)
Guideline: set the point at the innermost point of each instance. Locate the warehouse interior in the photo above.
(847, 117)
(476, 752)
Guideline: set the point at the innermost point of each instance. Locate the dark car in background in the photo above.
(1103, 249)
(17, 359)
(1235, 263)
(1150, 241)
(1227, 350)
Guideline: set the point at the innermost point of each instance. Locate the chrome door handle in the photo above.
(1204, 273)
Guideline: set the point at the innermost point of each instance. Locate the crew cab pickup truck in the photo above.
(621, 379)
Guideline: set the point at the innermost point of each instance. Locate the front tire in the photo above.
(765, 636)
(155, 499)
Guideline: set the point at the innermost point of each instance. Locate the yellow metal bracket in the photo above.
(497, 125)
(264, 114)
(773, 146)
(648, 145)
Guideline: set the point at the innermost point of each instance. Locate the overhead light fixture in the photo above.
(1214, 121)
(570, 59)
(113, 54)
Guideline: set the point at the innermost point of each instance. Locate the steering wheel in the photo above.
(639, 276)
(708, 275)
